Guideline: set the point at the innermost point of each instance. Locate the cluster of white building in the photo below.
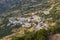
(22, 20)
(27, 22)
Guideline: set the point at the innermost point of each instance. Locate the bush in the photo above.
(39, 35)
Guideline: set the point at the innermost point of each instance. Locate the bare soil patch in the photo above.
(54, 37)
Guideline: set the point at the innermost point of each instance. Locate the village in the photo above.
(34, 21)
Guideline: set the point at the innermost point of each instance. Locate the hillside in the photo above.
(23, 5)
(28, 19)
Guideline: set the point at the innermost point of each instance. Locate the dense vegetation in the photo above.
(23, 5)
(39, 35)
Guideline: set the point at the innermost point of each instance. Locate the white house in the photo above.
(26, 25)
(38, 27)
(46, 12)
(35, 18)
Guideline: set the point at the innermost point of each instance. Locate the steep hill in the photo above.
(18, 8)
